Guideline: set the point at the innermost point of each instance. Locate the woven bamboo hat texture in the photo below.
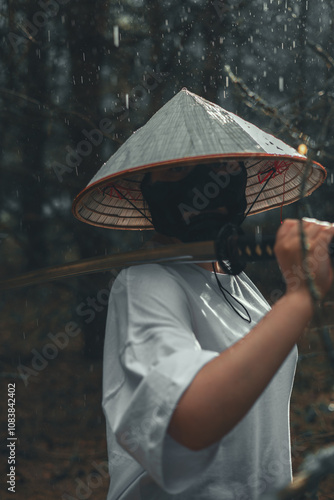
(191, 130)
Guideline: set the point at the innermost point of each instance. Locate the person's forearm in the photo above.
(227, 387)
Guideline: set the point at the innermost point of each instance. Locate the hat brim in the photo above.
(116, 202)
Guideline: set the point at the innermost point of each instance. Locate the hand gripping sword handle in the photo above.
(234, 249)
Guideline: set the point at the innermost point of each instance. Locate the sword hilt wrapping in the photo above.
(234, 249)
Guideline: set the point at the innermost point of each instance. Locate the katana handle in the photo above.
(234, 249)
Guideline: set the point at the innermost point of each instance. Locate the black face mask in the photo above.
(180, 209)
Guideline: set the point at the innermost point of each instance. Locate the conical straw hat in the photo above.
(191, 130)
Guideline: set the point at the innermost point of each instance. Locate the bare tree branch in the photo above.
(322, 53)
(254, 101)
(54, 109)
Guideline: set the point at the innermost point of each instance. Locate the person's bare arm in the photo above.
(227, 387)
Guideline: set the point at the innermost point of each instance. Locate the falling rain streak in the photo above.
(281, 83)
(116, 36)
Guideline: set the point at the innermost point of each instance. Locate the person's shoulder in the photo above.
(146, 276)
(152, 270)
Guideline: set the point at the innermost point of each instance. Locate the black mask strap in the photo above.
(223, 291)
(264, 185)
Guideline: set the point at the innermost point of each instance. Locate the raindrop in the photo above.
(83, 56)
(127, 101)
(116, 36)
(281, 84)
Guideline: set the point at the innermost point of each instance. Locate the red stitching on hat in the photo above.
(116, 189)
(277, 167)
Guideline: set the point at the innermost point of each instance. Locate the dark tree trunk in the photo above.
(86, 26)
(31, 142)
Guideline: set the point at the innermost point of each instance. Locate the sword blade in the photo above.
(183, 253)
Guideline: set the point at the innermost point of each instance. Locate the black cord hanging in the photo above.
(223, 290)
(259, 193)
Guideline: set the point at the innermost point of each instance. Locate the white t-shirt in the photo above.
(165, 322)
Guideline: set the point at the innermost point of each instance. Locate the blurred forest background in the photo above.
(65, 65)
